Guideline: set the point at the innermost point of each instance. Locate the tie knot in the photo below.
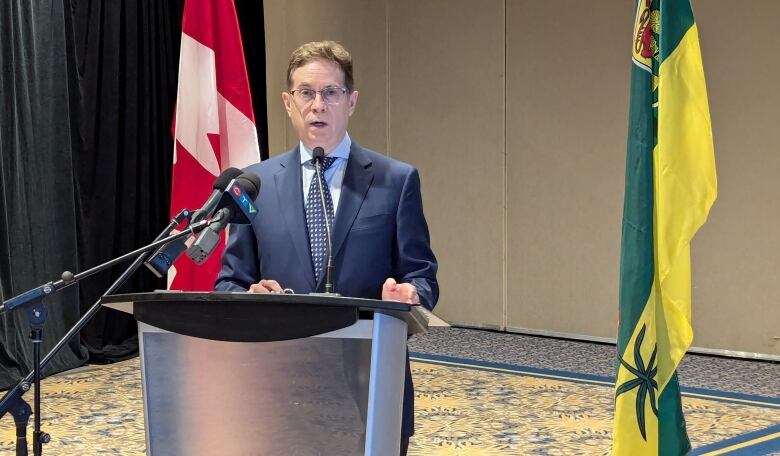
(327, 162)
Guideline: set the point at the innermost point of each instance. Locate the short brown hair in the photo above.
(330, 51)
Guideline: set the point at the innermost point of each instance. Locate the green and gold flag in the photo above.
(670, 187)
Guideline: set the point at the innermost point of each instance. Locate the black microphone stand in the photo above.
(32, 302)
(21, 412)
(329, 264)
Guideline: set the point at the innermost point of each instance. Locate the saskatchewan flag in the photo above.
(670, 187)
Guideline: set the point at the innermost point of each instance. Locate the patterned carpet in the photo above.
(464, 405)
(695, 371)
(467, 407)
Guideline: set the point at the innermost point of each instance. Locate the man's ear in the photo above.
(287, 101)
(353, 97)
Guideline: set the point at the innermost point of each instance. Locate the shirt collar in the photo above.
(341, 151)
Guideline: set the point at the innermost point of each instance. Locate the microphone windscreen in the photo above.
(250, 184)
(317, 153)
(225, 177)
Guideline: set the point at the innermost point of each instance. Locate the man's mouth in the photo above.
(318, 124)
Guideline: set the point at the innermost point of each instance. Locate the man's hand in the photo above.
(402, 292)
(266, 286)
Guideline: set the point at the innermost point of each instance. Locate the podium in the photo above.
(270, 374)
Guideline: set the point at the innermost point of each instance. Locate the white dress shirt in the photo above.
(334, 175)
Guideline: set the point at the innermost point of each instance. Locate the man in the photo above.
(380, 239)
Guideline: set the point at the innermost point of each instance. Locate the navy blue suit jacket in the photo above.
(379, 232)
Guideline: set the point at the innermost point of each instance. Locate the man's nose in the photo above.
(318, 104)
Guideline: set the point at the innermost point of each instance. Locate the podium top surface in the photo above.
(252, 317)
(116, 301)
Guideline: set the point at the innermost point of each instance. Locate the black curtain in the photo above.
(38, 238)
(88, 90)
(252, 23)
(122, 72)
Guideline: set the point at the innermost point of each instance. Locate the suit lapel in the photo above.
(289, 193)
(357, 180)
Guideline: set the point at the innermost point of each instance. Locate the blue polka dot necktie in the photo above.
(315, 219)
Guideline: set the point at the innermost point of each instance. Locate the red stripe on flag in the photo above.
(190, 188)
(192, 183)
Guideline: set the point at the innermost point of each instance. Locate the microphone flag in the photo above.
(214, 124)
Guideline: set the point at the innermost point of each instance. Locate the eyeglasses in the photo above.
(330, 95)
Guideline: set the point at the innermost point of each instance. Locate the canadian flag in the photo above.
(214, 125)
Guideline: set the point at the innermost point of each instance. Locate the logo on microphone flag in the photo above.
(214, 124)
(670, 187)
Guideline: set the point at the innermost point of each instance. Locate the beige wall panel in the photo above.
(446, 118)
(361, 27)
(736, 272)
(568, 66)
(276, 55)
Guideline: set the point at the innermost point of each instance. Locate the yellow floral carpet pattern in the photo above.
(466, 408)
(462, 408)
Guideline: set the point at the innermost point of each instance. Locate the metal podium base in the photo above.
(297, 397)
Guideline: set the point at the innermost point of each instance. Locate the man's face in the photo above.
(317, 122)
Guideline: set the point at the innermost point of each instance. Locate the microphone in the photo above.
(242, 195)
(235, 206)
(220, 183)
(317, 154)
(164, 257)
(209, 238)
